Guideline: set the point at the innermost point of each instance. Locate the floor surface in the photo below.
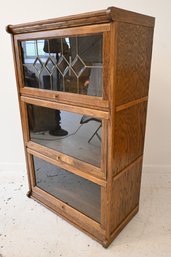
(28, 229)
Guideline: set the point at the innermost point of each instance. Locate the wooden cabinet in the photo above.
(83, 86)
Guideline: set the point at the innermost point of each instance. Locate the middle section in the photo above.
(74, 137)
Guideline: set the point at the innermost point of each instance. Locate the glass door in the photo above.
(73, 134)
(67, 64)
(75, 191)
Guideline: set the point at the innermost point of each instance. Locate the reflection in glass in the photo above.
(73, 134)
(77, 192)
(73, 64)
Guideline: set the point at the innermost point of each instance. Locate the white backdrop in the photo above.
(158, 132)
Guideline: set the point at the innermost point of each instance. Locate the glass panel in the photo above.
(74, 64)
(73, 134)
(77, 192)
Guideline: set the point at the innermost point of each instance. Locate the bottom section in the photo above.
(86, 204)
(73, 190)
(89, 227)
(85, 224)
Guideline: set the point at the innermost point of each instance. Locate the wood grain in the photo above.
(106, 61)
(74, 31)
(66, 107)
(68, 98)
(128, 105)
(31, 170)
(102, 16)
(134, 47)
(109, 153)
(70, 168)
(122, 15)
(125, 193)
(129, 135)
(115, 233)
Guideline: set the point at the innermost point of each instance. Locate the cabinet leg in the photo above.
(28, 193)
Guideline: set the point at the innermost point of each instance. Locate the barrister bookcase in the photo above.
(82, 84)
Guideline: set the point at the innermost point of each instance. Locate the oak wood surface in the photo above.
(121, 15)
(106, 70)
(129, 135)
(125, 193)
(66, 107)
(31, 170)
(64, 158)
(109, 154)
(68, 98)
(74, 31)
(114, 234)
(134, 47)
(132, 103)
(68, 167)
(104, 148)
(103, 16)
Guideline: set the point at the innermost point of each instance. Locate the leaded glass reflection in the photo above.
(70, 64)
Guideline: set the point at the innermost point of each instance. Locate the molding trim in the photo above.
(12, 166)
(157, 168)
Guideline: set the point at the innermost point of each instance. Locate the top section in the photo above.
(98, 17)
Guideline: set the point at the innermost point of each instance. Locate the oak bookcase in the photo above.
(82, 84)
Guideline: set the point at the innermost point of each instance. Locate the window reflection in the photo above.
(71, 64)
(73, 134)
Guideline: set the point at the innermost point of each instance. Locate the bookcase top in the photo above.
(111, 14)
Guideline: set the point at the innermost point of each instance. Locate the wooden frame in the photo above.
(127, 49)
